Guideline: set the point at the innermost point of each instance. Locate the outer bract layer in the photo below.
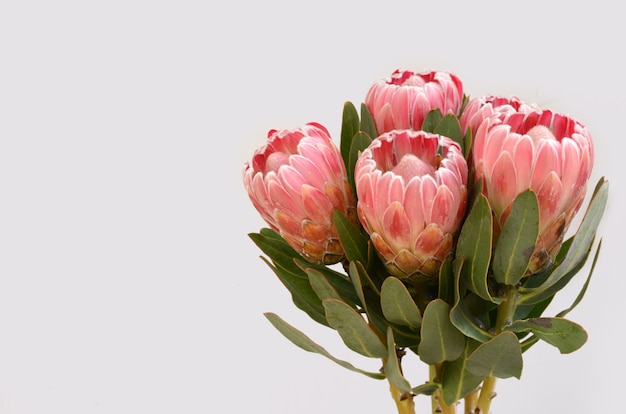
(296, 181)
(549, 153)
(412, 195)
(403, 100)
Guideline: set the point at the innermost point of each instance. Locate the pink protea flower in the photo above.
(479, 108)
(412, 194)
(403, 100)
(296, 181)
(549, 153)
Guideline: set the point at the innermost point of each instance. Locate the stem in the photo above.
(404, 401)
(487, 392)
(438, 404)
(471, 402)
(506, 311)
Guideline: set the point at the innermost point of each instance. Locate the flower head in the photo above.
(403, 100)
(548, 153)
(296, 181)
(479, 108)
(412, 194)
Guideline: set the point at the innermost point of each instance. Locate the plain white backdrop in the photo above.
(127, 281)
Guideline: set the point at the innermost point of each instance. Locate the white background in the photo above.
(127, 281)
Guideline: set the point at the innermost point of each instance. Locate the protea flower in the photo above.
(296, 181)
(403, 100)
(479, 108)
(412, 194)
(549, 153)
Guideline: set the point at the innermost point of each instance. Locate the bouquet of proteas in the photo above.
(437, 226)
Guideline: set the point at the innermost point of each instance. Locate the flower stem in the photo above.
(404, 401)
(471, 402)
(487, 392)
(439, 406)
(506, 312)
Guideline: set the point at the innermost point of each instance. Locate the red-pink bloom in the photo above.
(403, 100)
(549, 153)
(296, 181)
(412, 194)
(479, 108)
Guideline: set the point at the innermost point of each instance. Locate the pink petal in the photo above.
(549, 198)
(547, 160)
(316, 205)
(503, 183)
(444, 210)
(397, 227)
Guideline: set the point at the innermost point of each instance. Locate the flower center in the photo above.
(540, 132)
(412, 166)
(275, 160)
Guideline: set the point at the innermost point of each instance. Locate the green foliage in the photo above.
(499, 357)
(566, 335)
(517, 240)
(353, 329)
(302, 341)
(441, 341)
(474, 246)
(397, 304)
(457, 381)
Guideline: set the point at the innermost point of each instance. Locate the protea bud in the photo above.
(549, 153)
(296, 181)
(412, 194)
(403, 100)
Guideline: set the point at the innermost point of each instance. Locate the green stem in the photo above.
(471, 402)
(487, 392)
(404, 401)
(506, 312)
(438, 404)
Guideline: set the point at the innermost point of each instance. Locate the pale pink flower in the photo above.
(412, 194)
(296, 181)
(549, 153)
(403, 100)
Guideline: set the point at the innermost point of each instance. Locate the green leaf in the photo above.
(432, 119)
(446, 282)
(302, 294)
(467, 143)
(352, 239)
(302, 341)
(474, 245)
(392, 366)
(360, 142)
(461, 316)
(367, 122)
(457, 381)
(349, 127)
(583, 290)
(564, 334)
(354, 331)
(277, 249)
(578, 250)
(500, 357)
(322, 286)
(427, 388)
(368, 294)
(450, 127)
(517, 240)
(340, 282)
(397, 304)
(441, 341)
